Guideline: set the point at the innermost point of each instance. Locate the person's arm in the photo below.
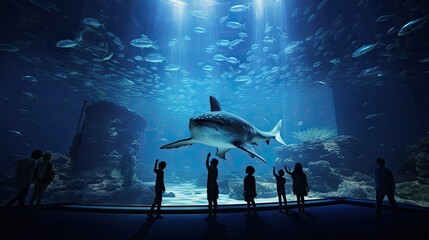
(245, 182)
(376, 179)
(207, 160)
(288, 170)
(306, 183)
(156, 164)
(274, 172)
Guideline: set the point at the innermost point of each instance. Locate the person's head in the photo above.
(380, 161)
(214, 162)
(281, 172)
(47, 157)
(298, 167)
(162, 165)
(250, 170)
(36, 154)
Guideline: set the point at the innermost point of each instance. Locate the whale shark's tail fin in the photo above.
(276, 132)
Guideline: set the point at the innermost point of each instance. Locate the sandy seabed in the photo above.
(188, 194)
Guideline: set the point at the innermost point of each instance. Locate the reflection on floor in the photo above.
(324, 219)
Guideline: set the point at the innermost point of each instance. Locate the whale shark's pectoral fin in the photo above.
(180, 143)
(221, 152)
(249, 150)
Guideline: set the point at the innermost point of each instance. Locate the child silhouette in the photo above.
(159, 188)
(250, 188)
(281, 191)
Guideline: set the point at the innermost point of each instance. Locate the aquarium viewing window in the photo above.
(108, 87)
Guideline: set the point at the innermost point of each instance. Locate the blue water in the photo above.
(301, 61)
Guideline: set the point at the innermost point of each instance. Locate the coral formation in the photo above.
(314, 134)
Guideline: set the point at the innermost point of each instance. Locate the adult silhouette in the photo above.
(212, 186)
(384, 186)
(23, 177)
(43, 176)
(299, 185)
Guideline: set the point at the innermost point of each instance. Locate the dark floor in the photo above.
(326, 219)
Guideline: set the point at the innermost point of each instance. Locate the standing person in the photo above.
(281, 191)
(159, 189)
(250, 188)
(43, 176)
(212, 187)
(299, 185)
(384, 186)
(23, 177)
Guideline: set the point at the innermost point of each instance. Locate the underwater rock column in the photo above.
(110, 136)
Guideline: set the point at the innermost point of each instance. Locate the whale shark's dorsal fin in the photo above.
(214, 104)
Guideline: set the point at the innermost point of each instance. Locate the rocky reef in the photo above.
(338, 168)
(101, 169)
(102, 186)
(335, 168)
(413, 175)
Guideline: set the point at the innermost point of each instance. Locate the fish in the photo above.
(223, 19)
(242, 78)
(318, 83)
(225, 131)
(8, 48)
(66, 43)
(30, 96)
(243, 35)
(92, 22)
(107, 56)
(373, 115)
(413, 26)
(392, 30)
(29, 78)
(364, 49)
(14, 132)
(232, 60)
(235, 25)
(144, 43)
(200, 14)
(199, 30)
(383, 18)
(208, 67)
(239, 8)
(219, 57)
(172, 67)
(424, 59)
(5, 100)
(154, 58)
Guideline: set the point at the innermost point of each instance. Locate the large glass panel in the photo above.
(109, 86)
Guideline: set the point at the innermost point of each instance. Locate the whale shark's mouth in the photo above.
(210, 123)
(206, 125)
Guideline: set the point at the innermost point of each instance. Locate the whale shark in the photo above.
(225, 131)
